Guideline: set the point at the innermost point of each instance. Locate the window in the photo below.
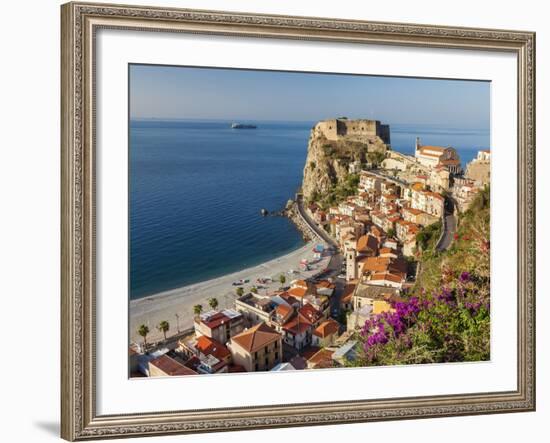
(266, 362)
(256, 367)
(276, 356)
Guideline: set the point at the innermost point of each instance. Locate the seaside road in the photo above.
(334, 266)
(320, 232)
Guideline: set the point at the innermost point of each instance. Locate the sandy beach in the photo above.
(151, 310)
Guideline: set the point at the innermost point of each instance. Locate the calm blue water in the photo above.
(196, 189)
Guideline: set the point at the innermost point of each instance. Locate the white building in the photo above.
(433, 156)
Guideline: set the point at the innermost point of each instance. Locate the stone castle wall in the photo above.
(337, 128)
(479, 171)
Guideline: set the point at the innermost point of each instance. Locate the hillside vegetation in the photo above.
(446, 315)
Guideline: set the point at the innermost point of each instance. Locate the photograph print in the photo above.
(287, 221)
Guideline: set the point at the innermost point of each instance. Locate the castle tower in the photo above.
(417, 144)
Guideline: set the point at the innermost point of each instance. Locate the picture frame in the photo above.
(80, 23)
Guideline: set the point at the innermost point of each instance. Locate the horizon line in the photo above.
(227, 119)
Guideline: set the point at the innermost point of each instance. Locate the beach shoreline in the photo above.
(153, 309)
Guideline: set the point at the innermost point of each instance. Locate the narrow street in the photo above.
(450, 226)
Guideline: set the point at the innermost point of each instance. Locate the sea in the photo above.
(196, 189)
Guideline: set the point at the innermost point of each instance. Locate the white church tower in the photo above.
(351, 264)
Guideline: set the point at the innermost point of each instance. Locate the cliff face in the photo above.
(328, 161)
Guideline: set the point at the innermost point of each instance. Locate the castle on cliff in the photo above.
(360, 129)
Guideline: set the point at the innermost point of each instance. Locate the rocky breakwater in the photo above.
(292, 212)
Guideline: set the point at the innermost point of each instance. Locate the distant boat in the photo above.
(242, 126)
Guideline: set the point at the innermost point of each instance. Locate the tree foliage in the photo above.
(197, 309)
(163, 327)
(375, 158)
(143, 330)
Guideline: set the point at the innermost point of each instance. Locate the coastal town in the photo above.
(368, 212)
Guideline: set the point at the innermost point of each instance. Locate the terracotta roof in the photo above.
(413, 229)
(375, 264)
(326, 328)
(309, 314)
(399, 266)
(375, 230)
(417, 186)
(386, 276)
(348, 293)
(297, 325)
(209, 346)
(325, 284)
(367, 242)
(283, 310)
(321, 356)
(432, 148)
(256, 337)
(309, 352)
(297, 292)
(170, 366)
(216, 320)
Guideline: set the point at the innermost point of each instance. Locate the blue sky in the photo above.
(227, 94)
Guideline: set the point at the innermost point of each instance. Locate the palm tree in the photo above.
(143, 330)
(213, 302)
(282, 279)
(240, 291)
(164, 326)
(254, 289)
(197, 309)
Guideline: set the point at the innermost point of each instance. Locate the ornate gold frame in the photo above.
(80, 21)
